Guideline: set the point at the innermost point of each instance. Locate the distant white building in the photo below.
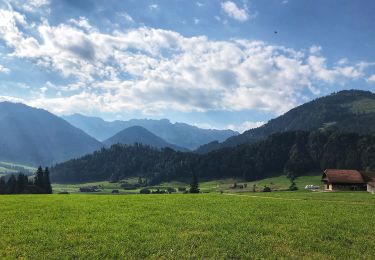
(371, 187)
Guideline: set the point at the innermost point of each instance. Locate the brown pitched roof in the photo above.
(343, 176)
(369, 176)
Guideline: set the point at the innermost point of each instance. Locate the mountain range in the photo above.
(178, 134)
(138, 134)
(35, 136)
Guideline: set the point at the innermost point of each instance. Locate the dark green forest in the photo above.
(351, 111)
(21, 184)
(293, 153)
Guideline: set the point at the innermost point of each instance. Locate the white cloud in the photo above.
(153, 6)
(31, 6)
(151, 70)
(245, 126)
(231, 9)
(127, 17)
(4, 69)
(199, 4)
(315, 49)
(371, 78)
(196, 20)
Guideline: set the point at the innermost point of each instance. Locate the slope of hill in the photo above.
(179, 134)
(348, 110)
(37, 137)
(294, 153)
(138, 134)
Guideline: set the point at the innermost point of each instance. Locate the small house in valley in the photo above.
(369, 178)
(343, 180)
(371, 187)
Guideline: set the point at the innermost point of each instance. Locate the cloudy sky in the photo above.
(212, 63)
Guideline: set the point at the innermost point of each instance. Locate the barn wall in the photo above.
(370, 189)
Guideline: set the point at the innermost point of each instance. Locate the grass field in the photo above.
(275, 183)
(249, 225)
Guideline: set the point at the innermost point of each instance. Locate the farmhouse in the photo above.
(369, 178)
(343, 180)
(371, 187)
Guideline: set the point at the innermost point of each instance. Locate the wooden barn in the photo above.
(371, 187)
(369, 178)
(343, 180)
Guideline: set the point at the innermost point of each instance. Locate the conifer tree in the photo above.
(194, 186)
(38, 181)
(2, 185)
(46, 181)
(22, 182)
(11, 185)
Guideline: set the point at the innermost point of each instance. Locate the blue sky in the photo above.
(215, 64)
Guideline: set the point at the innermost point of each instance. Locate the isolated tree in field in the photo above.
(194, 185)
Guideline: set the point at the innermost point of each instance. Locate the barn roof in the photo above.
(343, 176)
(369, 176)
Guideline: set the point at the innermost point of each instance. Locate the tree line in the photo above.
(22, 184)
(292, 153)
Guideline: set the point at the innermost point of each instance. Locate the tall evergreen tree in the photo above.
(2, 185)
(11, 185)
(46, 181)
(22, 182)
(194, 186)
(38, 180)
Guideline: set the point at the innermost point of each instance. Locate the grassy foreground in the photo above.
(252, 225)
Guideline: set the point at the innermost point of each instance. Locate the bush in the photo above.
(145, 191)
(158, 191)
(181, 189)
(171, 190)
(266, 189)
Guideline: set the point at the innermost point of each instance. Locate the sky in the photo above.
(210, 63)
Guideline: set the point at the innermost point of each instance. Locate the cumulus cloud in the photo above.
(237, 13)
(151, 70)
(4, 69)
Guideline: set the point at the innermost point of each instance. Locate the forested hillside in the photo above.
(293, 153)
(348, 111)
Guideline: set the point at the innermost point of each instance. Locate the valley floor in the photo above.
(174, 226)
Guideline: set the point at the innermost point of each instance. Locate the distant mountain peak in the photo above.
(139, 134)
(178, 134)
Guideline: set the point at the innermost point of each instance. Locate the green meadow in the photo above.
(224, 185)
(179, 226)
